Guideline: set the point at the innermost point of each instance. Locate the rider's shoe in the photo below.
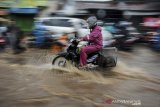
(91, 66)
(88, 66)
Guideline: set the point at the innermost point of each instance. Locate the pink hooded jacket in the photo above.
(95, 37)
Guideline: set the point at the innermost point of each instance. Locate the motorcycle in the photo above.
(102, 59)
(123, 40)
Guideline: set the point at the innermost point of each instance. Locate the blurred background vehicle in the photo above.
(155, 42)
(148, 28)
(59, 25)
(56, 27)
(3, 36)
(124, 35)
(2, 42)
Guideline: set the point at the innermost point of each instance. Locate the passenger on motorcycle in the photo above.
(94, 39)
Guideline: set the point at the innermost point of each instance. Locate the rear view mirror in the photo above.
(85, 27)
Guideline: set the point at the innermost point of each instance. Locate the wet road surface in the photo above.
(29, 80)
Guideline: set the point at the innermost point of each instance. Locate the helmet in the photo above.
(92, 21)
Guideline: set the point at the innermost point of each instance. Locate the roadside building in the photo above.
(23, 11)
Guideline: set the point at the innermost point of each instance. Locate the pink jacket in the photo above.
(95, 37)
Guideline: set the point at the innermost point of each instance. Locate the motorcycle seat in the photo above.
(94, 53)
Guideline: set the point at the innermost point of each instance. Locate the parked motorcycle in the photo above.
(100, 59)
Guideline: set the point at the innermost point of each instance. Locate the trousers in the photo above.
(85, 51)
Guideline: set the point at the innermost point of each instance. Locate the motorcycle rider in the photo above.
(94, 39)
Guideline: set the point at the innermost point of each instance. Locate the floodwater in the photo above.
(29, 80)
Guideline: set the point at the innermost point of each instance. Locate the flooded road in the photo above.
(29, 80)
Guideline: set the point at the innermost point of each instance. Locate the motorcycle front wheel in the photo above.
(59, 61)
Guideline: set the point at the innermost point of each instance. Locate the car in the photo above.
(60, 25)
(57, 26)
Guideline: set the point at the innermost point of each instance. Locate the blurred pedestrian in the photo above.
(15, 35)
